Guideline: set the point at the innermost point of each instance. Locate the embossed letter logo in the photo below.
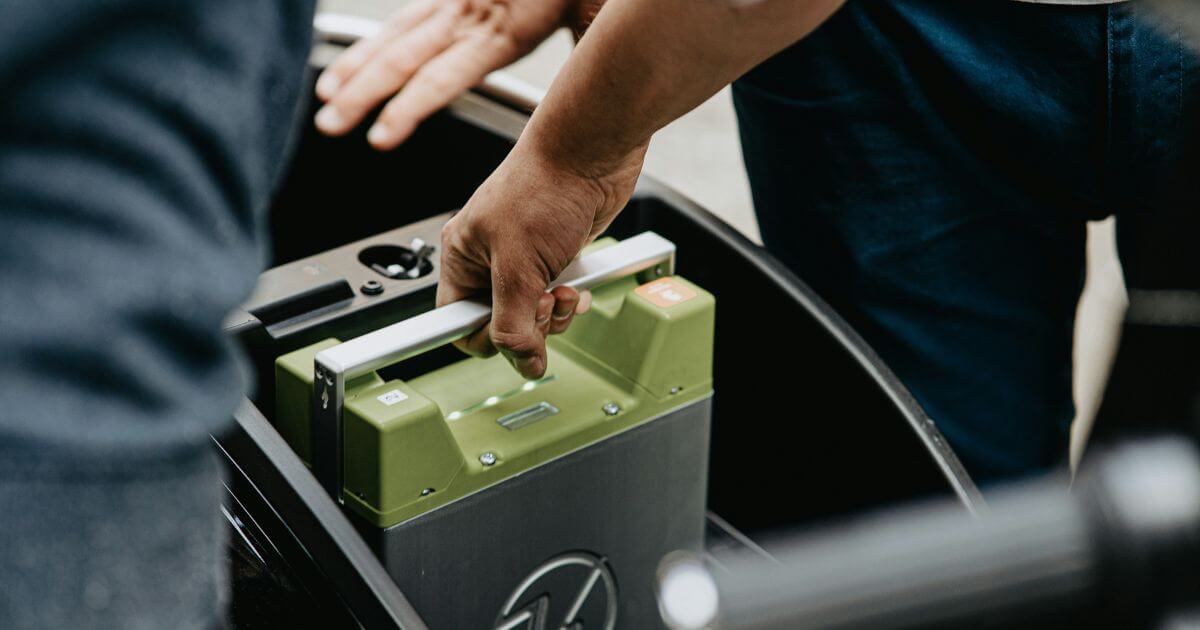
(580, 581)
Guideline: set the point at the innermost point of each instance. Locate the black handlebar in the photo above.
(1123, 547)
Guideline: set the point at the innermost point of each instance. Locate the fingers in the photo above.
(521, 313)
(434, 85)
(478, 343)
(562, 304)
(462, 277)
(384, 72)
(545, 313)
(351, 60)
(566, 303)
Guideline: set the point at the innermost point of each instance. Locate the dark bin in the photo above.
(807, 425)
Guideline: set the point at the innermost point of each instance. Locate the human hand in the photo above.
(516, 234)
(426, 55)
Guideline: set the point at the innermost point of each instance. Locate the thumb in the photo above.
(520, 317)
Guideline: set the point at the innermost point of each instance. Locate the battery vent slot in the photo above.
(528, 416)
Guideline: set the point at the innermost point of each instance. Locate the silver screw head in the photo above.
(676, 390)
(426, 492)
(487, 459)
(611, 409)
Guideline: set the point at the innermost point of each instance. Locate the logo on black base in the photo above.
(574, 591)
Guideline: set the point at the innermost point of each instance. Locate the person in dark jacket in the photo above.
(139, 141)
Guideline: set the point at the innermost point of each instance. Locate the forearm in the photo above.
(644, 63)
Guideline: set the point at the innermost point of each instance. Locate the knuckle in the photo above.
(351, 102)
(435, 82)
(519, 276)
(354, 57)
(449, 234)
(476, 347)
(479, 228)
(455, 235)
(397, 62)
(514, 343)
(452, 226)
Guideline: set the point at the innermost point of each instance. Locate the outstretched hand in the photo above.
(427, 54)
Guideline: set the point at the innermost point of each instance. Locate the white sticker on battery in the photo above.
(392, 397)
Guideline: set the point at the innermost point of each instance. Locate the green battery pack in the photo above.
(411, 447)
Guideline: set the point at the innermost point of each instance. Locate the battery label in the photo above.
(392, 397)
(665, 292)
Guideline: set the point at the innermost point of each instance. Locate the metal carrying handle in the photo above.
(413, 336)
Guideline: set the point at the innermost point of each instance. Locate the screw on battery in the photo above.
(426, 492)
(676, 390)
(487, 459)
(611, 409)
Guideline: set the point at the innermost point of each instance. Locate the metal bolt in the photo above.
(371, 287)
(611, 409)
(421, 249)
(676, 390)
(426, 492)
(487, 459)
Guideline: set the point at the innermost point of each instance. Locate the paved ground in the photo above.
(700, 155)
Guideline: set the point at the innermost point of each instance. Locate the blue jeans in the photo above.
(929, 167)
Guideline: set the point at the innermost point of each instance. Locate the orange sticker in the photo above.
(665, 292)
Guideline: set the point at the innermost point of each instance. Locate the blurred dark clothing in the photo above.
(139, 141)
(929, 167)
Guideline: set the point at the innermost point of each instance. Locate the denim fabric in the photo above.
(139, 140)
(929, 167)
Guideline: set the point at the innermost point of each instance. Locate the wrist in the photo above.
(592, 191)
(579, 150)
